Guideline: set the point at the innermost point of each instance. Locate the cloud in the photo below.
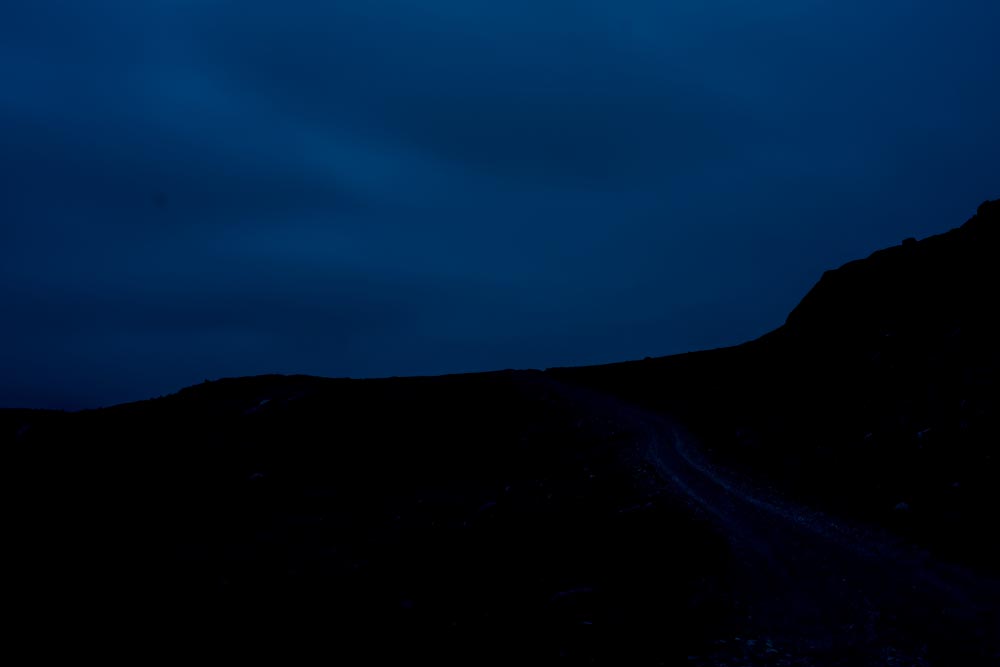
(371, 189)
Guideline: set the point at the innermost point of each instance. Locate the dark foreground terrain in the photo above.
(825, 495)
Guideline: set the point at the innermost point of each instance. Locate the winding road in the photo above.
(810, 588)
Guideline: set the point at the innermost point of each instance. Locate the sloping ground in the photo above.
(469, 518)
(810, 588)
(543, 517)
(878, 398)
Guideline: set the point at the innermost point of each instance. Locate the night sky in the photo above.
(195, 189)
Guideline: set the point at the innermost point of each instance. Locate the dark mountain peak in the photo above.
(987, 217)
(989, 208)
(939, 281)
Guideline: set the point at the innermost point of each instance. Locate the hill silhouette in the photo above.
(824, 495)
(878, 396)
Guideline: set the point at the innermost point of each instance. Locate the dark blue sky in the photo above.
(202, 188)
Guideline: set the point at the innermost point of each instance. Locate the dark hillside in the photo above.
(879, 396)
(483, 517)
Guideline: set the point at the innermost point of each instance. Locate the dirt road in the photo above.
(809, 588)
